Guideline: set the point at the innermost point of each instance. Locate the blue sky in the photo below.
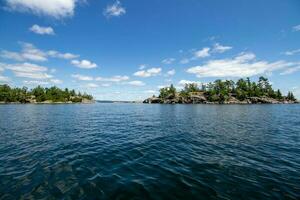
(126, 50)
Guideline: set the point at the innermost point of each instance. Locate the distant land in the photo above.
(40, 95)
(224, 92)
(110, 101)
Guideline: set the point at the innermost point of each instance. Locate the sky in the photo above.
(127, 50)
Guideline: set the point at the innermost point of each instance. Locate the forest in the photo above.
(40, 94)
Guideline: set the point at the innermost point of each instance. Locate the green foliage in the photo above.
(221, 91)
(291, 96)
(40, 94)
(167, 91)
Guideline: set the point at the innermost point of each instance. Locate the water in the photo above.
(136, 151)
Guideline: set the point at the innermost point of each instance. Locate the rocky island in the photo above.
(224, 92)
(40, 95)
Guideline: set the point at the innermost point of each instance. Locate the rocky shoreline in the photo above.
(201, 99)
(84, 101)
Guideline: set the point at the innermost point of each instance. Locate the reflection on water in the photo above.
(125, 151)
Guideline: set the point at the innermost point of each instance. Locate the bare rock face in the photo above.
(153, 100)
(264, 100)
(196, 99)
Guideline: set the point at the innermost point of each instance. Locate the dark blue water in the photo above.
(135, 151)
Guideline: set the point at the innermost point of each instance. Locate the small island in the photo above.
(224, 92)
(40, 95)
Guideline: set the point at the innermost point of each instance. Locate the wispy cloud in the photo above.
(31, 53)
(293, 52)
(202, 53)
(296, 28)
(136, 83)
(116, 78)
(217, 48)
(82, 77)
(171, 72)
(42, 30)
(28, 70)
(148, 73)
(291, 70)
(57, 9)
(243, 65)
(84, 64)
(114, 10)
(168, 61)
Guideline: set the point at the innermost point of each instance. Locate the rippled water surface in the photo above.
(135, 151)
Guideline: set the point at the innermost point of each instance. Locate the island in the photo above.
(40, 95)
(244, 91)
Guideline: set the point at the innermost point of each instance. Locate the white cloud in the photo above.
(84, 64)
(296, 28)
(202, 53)
(35, 82)
(56, 81)
(148, 73)
(82, 77)
(293, 52)
(42, 30)
(243, 65)
(113, 79)
(30, 52)
(57, 9)
(67, 56)
(142, 66)
(171, 72)
(4, 79)
(114, 10)
(136, 83)
(185, 61)
(220, 49)
(182, 83)
(290, 70)
(168, 61)
(91, 85)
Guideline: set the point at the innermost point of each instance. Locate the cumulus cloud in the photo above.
(32, 53)
(168, 61)
(57, 9)
(182, 83)
(28, 70)
(293, 52)
(67, 56)
(220, 48)
(84, 64)
(42, 30)
(296, 28)
(202, 53)
(82, 77)
(136, 83)
(243, 65)
(113, 79)
(114, 10)
(148, 73)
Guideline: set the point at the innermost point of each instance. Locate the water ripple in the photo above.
(132, 151)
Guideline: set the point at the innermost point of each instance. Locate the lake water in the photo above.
(136, 151)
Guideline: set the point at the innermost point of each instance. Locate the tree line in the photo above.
(40, 94)
(222, 90)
